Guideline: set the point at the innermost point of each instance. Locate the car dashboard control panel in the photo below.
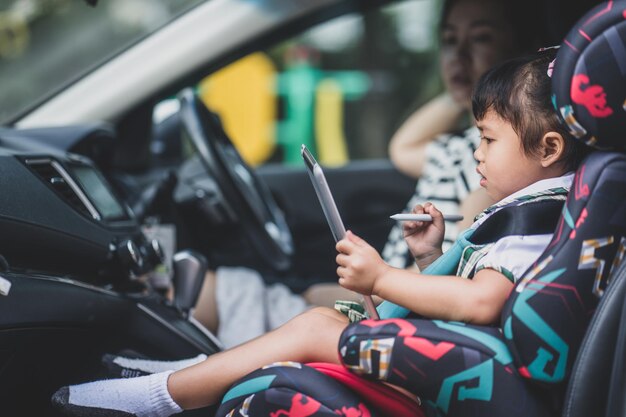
(59, 214)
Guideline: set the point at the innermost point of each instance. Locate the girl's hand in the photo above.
(360, 265)
(425, 238)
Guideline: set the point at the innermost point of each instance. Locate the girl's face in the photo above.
(474, 37)
(502, 164)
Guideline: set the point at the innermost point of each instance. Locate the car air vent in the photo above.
(53, 173)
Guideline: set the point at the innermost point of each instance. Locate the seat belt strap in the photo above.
(537, 218)
(532, 218)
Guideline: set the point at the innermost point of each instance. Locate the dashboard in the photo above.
(72, 261)
(63, 217)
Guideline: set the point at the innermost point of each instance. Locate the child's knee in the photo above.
(319, 319)
(327, 312)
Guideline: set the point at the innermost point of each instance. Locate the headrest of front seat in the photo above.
(589, 79)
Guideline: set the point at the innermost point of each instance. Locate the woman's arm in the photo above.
(406, 149)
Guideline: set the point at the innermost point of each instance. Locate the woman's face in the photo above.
(475, 36)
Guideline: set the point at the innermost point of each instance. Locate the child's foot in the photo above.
(145, 396)
(124, 367)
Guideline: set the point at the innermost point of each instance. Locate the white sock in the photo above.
(145, 396)
(152, 366)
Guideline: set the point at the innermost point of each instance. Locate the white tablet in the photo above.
(330, 211)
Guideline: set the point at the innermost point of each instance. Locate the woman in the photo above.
(436, 143)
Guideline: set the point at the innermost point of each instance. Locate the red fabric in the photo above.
(384, 398)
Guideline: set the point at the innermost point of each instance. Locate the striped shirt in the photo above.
(449, 175)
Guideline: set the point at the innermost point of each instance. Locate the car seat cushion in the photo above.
(295, 389)
(380, 396)
(548, 312)
(453, 367)
(589, 78)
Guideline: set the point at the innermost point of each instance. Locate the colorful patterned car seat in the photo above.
(560, 315)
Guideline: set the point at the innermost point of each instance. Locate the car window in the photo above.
(318, 87)
(46, 44)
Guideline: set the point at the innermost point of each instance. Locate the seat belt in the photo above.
(532, 218)
(538, 218)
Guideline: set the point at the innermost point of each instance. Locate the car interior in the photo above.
(561, 326)
(78, 266)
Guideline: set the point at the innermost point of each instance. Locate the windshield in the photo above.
(46, 44)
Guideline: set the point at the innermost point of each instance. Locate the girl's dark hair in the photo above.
(519, 91)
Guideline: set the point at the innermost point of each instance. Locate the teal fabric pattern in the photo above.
(446, 264)
(249, 387)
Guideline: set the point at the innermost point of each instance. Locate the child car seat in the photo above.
(562, 313)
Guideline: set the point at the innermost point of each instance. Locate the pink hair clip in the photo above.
(551, 65)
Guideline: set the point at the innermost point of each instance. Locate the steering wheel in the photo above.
(243, 191)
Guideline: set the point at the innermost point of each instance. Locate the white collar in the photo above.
(564, 181)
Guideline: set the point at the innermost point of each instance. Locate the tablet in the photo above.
(330, 211)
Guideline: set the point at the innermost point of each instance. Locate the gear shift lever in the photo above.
(189, 270)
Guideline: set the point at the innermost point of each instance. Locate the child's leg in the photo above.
(311, 337)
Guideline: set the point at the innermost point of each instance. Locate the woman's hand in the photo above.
(360, 265)
(425, 238)
(407, 148)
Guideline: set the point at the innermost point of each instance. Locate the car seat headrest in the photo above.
(589, 78)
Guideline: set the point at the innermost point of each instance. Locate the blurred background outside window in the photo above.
(342, 87)
(46, 44)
